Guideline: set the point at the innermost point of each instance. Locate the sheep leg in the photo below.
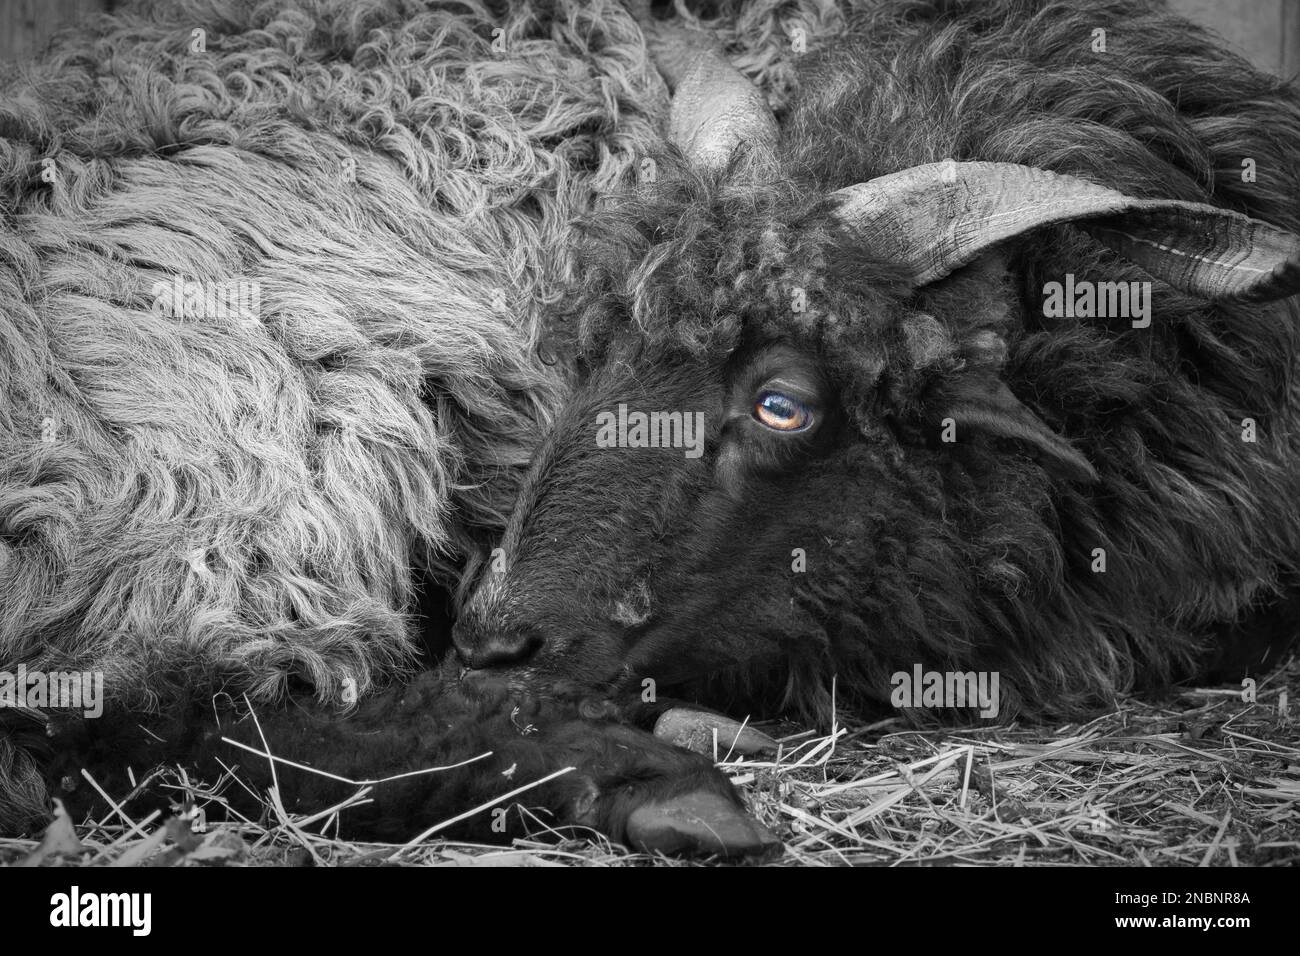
(623, 783)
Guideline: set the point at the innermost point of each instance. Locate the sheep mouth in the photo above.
(533, 680)
(512, 678)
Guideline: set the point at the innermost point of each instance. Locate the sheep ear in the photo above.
(984, 403)
(935, 218)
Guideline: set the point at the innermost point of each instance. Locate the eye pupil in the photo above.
(779, 405)
(781, 412)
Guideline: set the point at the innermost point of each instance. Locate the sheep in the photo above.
(910, 458)
(917, 459)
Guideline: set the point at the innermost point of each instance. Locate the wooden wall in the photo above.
(1266, 31)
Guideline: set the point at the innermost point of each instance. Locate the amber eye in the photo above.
(782, 413)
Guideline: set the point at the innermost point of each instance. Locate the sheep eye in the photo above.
(782, 413)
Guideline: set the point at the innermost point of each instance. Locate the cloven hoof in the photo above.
(693, 730)
(699, 822)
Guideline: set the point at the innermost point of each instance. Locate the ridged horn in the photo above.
(935, 218)
(714, 107)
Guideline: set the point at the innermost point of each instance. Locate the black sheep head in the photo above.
(793, 444)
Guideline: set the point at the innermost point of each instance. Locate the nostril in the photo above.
(500, 648)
